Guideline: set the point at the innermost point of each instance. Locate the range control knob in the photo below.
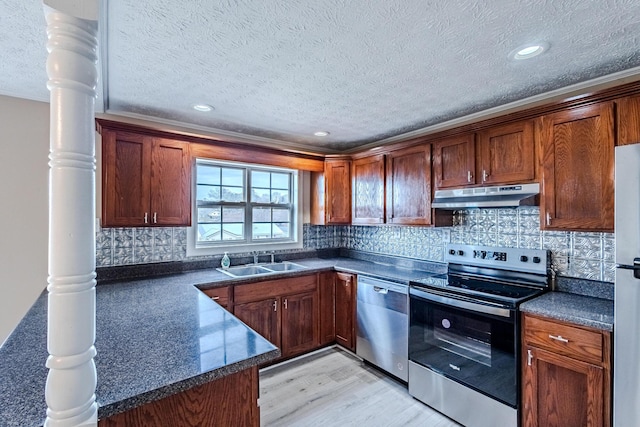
(460, 253)
(452, 252)
(524, 258)
(536, 259)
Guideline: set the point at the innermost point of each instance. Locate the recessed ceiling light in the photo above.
(321, 133)
(529, 51)
(202, 107)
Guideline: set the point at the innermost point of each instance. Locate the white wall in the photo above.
(24, 150)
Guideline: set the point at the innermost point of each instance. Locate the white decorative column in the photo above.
(72, 72)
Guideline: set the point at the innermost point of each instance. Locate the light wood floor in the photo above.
(333, 388)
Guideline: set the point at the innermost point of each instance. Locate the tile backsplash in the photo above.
(574, 254)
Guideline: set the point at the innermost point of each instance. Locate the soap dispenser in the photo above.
(226, 262)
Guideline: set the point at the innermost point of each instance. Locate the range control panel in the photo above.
(516, 259)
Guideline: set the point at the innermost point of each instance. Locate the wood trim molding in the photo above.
(213, 147)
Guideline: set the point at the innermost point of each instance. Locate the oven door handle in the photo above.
(446, 299)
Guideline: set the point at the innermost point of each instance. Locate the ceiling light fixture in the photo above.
(204, 108)
(321, 133)
(529, 51)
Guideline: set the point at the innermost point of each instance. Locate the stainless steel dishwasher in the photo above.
(383, 324)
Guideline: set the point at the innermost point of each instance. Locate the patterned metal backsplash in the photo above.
(574, 254)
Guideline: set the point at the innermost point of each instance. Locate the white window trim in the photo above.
(218, 249)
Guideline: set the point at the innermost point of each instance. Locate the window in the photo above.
(243, 204)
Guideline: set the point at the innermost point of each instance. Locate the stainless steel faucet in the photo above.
(273, 257)
(255, 257)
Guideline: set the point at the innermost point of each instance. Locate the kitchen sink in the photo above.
(257, 270)
(285, 266)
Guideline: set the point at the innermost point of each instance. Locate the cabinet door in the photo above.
(263, 317)
(577, 169)
(454, 161)
(170, 183)
(409, 186)
(125, 179)
(338, 191)
(507, 154)
(368, 190)
(327, 291)
(559, 391)
(299, 323)
(628, 116)
(345, 310)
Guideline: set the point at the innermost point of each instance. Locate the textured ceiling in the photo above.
(362, 70)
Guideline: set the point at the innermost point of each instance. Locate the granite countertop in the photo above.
(579, 309)
(154, 338)
(158, 336)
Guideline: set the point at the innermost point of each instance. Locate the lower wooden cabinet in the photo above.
(345, 310)
(327, 291)
(285, 312)
(228, 401)
(566, 375)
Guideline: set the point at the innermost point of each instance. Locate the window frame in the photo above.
(294, 241)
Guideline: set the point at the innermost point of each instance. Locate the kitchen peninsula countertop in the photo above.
(155, 337)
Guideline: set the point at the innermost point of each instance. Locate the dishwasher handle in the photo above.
(380, 290)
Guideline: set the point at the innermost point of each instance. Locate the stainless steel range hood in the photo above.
(487, 197)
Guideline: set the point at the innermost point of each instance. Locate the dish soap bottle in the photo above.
(226, 262)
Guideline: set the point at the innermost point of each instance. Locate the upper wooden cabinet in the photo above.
(408, 187)
(628, 114)
(506, 154)
(454, 161)
(577, 149)
(338, 191)
(368, 190)
(331, 193)
(145, 181)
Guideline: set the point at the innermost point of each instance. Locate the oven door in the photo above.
(471, 342)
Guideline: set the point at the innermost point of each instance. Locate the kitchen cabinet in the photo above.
(145, 180)
(628, 120)
(506, 154)
(408, 187)
(345, 310)
(331, 193)
(228, 401)
(368, 190)
(577, 171)
(221, 295)
(454, 161)
(566, 374)
(327, 292)
(284, 311)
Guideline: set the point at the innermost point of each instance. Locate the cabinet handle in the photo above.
(469, 176)
(484, 176)
(275, 305)
(146, 218)
(529, 357)
(558, 338)
(215, 298)
(548, 218)
(285, 304)
(155, 217)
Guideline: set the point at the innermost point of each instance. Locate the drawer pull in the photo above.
(558, 338)
(215, 298)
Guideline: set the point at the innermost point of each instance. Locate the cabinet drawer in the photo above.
(219, 295)
(274, 288)
(562, 338)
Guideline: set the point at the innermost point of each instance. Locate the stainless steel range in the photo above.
(464, 332)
